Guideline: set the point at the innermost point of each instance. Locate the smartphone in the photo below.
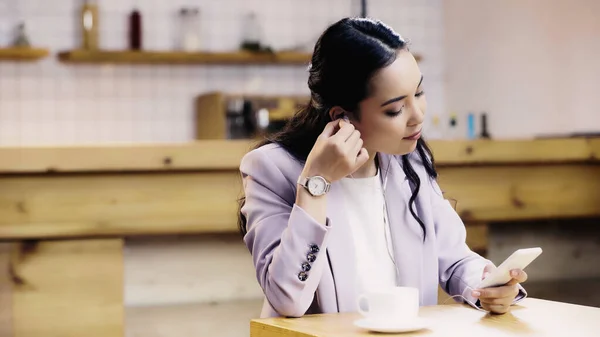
(520, 259)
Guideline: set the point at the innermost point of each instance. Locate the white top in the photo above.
(368, 221)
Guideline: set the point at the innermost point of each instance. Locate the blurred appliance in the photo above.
(232, 116)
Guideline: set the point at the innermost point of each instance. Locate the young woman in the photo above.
(345, 200)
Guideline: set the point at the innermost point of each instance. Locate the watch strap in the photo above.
(303, 181)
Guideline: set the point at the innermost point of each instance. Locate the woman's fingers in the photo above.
(487, 270)
(498, 301)
(497, 292)
(329, 129)
(496, 308)
(353, 140)
(357, 147)
(518, 276)
(345, 131)
(362, 157)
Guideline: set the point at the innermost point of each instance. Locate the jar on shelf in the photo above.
(251, 33)
(21, 39)
(189, 20)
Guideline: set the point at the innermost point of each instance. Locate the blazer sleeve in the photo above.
(287, 244)
(460, 269)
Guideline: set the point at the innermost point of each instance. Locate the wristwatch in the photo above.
(316, 186)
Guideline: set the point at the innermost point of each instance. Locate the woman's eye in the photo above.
(394, 113)
(420, 93)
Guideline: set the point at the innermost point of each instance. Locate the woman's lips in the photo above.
(414, 136)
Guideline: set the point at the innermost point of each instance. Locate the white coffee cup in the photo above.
(390, 305)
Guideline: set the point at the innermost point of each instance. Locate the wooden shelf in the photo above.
(175, 57)
(22, 54)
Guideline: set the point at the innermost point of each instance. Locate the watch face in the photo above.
(317, 185)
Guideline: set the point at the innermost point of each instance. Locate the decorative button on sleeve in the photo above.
(311, 257)
(302, 276)
(305, 266)
(314, 249)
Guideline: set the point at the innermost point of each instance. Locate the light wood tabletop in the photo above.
(532, 317)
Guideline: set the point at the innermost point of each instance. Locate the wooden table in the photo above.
(532, 317)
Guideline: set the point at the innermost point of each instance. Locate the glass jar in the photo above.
(251, 33)
(190, 29)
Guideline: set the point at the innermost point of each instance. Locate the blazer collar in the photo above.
(390, 168)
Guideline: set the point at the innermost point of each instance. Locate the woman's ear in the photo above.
(336, 113)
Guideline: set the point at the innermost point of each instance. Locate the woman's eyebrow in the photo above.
(399, 98)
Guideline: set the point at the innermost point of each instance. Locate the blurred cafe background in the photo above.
(122, 124)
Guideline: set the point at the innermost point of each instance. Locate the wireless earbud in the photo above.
(344, 117)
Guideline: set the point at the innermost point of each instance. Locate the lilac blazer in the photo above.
(282, 237)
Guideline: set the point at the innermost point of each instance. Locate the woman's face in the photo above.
(392, 117)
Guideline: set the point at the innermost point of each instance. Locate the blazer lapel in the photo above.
(340, 251)
(405, 231)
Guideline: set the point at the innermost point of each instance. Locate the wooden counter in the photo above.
(98, 191)
(64, 212)
(226, 155)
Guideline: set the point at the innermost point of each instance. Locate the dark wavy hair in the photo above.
(345, 58)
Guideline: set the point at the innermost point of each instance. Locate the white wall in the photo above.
(204, 283)
(50, 103)
(533, 64)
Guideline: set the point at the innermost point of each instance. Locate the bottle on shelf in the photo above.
(453, 133)
(89, 25)
(236, 127)
(485, 134)
(135, 30)
(471, 126)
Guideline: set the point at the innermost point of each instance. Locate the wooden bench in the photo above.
(65, 212)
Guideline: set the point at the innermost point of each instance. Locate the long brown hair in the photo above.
(345, 58)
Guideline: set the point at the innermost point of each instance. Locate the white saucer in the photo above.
(392, 327)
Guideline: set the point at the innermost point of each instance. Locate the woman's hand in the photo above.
(336, 154)
(499, 299)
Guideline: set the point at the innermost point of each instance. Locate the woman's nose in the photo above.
(416, 116)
